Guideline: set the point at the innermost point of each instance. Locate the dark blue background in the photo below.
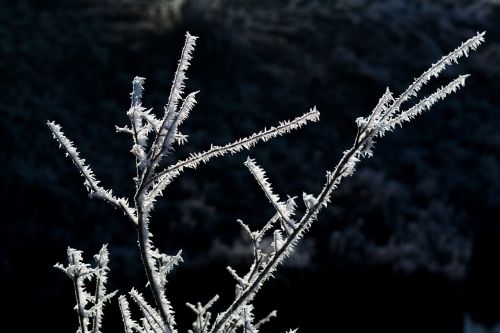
(410, 243)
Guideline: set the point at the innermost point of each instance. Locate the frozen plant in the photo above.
(153, 139)
(79, 272)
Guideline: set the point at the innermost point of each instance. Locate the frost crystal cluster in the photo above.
(154, 137)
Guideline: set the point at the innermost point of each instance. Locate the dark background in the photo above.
(411, 243)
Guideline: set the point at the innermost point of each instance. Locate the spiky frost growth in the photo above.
(266, 319)
(388, 114)
(261, 178)
(165, 177)
(102, 260)
(173, 117)
(248, 320)
(163, 133)
(203, 315)
(152, 139)
(88, 307)
(152, 317)
(141, 123)
(92, 185)
(384, 117)
(264, 264)
(129, 324)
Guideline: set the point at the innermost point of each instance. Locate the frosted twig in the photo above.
(95, 191)
(375, 125)
(266, 319)
(148, 312)
(102, 260)
(203, 316)
(150, 184)
(175, 95)
(427, 102)
(79, 272)
(165, 177)
(452, 57)
(129, 324)
(261, 178)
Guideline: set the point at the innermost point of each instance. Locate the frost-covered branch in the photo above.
(203, 316)
(165, 177)
(129, 324)
(152, 140)
(152, 317)
(427, 102)
(384, 117)
(387, 114)
(95, 191)
(159, 147)
(79, 272)
(261, 178)
(463, 50)
(141, 122)
(102, 260)
(150, 183)
(266, 319)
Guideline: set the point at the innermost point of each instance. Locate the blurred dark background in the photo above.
(411, 243)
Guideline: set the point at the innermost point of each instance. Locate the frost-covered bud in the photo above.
(237, 291)
(309, 200)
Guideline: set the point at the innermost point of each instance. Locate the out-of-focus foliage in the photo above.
(273, 57)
